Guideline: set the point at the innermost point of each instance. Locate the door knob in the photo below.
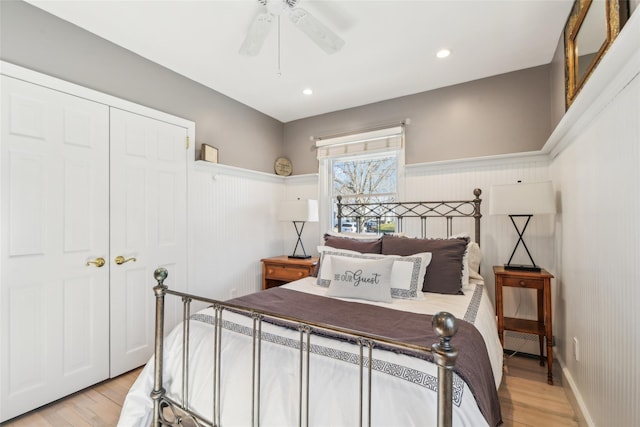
(98, 262)
(121, 260)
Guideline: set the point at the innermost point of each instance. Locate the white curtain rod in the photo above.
(355, 132)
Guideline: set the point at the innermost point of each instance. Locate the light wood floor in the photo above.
(527, 400)
(98, 406)
(525, 397)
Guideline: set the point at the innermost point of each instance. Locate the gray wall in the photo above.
(34, 39)
(556, 84)
(502, 114)
(497, 115)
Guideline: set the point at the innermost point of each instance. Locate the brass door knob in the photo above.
(121, 260)
(98, 262)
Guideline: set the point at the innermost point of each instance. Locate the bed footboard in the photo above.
(168, 412)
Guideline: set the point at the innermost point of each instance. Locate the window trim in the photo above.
(325, 173)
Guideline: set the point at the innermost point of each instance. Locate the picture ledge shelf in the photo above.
(616, 70)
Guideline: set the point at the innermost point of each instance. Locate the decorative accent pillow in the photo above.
(352, 242)
(407, 274)
(361, 278)
(444, 274)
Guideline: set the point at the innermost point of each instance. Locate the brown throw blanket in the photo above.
(472, 365)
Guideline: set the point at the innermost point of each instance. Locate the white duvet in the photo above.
(398, 398)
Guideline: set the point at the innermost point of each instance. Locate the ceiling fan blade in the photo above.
(256, 35)
(316, 31)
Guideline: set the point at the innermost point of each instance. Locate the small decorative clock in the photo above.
(283, 166)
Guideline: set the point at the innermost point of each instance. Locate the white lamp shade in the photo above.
(298, 210)
(522, 199)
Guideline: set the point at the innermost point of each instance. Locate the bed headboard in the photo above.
(360, 213)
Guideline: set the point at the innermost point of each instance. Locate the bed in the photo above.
(308, 354)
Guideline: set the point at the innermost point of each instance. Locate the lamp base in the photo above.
(522, 267)
(300, 256)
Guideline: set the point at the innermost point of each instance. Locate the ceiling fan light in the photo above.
(443, 53)
(307, 91)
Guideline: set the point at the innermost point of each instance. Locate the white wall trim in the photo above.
(582, 407)
(619, 66)
(220, 169)
(477, 162)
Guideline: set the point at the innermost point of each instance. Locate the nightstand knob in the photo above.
(522, 283)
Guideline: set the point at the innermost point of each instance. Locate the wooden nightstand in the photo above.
(541, 282)
(279, 270)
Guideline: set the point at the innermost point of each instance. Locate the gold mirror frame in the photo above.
(616, 14)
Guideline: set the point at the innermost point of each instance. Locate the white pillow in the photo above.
(473, 261)
(325, 270)
(407, 274)
(470, 260)
(361, 278)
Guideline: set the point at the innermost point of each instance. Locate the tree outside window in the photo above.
(365, 179)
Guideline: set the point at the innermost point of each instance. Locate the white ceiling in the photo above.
(389, 52)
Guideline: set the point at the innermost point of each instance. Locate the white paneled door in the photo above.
(54, 231)
(94, 199)
(149, 228)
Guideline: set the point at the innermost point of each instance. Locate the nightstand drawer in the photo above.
(279, 270)
(523, 282)
(286, 272)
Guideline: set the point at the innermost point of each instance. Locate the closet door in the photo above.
(148, 228)
(54, 303)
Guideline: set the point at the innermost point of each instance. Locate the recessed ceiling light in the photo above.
(443, 53)
(307, 91)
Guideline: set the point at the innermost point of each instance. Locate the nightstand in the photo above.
(541, 282)
(279, 270)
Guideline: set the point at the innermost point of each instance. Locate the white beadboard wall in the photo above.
(456, 180)
(598, 175)
(233, 224)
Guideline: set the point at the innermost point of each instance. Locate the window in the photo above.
(364, 179)
(362, 168)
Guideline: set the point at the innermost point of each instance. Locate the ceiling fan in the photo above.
(326, 39)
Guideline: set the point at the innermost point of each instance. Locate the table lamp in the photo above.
(299, 212)
(522, 200)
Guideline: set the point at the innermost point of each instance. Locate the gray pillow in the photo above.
(444, 274)
(364, 246)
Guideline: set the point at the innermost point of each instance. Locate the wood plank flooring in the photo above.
(526, 399)
(98, 406)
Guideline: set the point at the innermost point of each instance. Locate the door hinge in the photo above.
(187, 143)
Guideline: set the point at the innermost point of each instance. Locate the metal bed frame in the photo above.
(169, 412)
(400, 211)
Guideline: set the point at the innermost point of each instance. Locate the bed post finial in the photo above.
(160, 274)
(476, 213)
(444, 354)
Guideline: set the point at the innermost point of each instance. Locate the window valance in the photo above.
(377, 140)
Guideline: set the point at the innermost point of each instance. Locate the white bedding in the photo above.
(396, 400)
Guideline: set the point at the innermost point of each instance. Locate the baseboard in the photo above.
(574, 397)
